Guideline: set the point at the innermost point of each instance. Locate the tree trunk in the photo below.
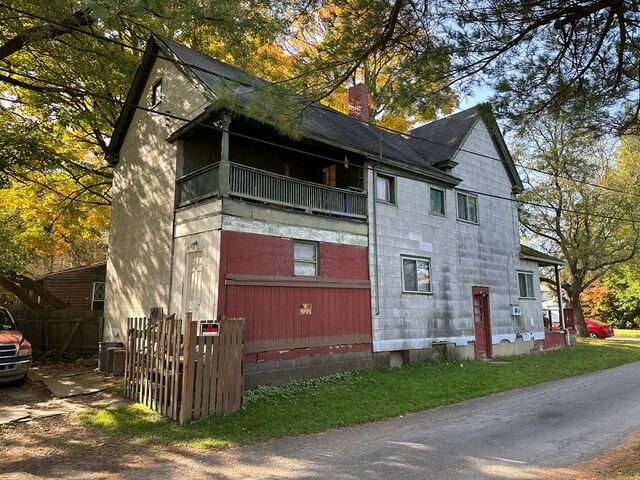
(578, 316)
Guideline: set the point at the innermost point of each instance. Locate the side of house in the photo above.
(446, 260)
(139, 256)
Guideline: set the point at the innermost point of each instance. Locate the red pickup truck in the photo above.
(15, 351)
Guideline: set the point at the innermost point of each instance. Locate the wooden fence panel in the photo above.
(184, 378)
(64, 330)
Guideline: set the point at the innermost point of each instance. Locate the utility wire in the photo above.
(279, 145)
(254, 87)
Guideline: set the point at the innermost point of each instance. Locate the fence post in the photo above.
(185, 403)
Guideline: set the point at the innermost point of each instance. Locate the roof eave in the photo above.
(131, 102)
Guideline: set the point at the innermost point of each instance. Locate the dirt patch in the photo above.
(619, 463)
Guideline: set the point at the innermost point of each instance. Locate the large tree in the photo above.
(581, 205)
(569, 56)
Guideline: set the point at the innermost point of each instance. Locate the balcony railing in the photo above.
(197, 185)
(253, 184)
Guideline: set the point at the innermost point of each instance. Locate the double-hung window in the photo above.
(437, 201)
(416, 275)
(525, 285)
(467, 207)
(305, 258)
(385, 189)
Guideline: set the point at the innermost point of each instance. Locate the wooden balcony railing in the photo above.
(197, 185)
(253, 184)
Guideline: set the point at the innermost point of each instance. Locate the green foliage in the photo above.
(347, 399)
(582, 208)
(622, 307)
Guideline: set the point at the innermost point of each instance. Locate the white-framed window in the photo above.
(467, 207)
(385, 188)
(305, 258)
(97, 296)
(156, 93)
(437, 205)
(416, 275)
(525, 285)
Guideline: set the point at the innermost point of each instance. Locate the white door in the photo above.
(194, 285)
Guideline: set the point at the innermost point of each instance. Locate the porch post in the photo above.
(560, 305)
(224, 170)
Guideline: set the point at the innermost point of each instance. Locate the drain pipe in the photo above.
(375, 238)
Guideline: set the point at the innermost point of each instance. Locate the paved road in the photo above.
(509, 435)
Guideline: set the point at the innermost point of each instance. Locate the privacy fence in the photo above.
(68, 330)
(185, 376)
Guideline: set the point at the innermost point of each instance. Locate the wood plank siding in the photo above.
(75, 286)
(258, 284)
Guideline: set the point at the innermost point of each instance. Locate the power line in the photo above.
(254, 87)
(69, 89)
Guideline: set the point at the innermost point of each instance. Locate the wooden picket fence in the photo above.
(184, 377)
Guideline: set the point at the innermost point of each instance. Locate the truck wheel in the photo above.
(19, 382)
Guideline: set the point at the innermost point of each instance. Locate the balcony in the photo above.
(270, 188)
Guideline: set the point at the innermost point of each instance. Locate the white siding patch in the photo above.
(416, 343)
(426, 247)
(243, 225)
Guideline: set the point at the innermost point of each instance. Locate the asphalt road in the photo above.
(511, 435)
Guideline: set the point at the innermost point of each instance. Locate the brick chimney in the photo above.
(359, 102)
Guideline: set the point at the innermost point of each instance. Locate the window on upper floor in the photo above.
(416, 275)
(305, 258)
(525, 285)
(156, 93)
(437, 201)
(467, 207)
(385, 188)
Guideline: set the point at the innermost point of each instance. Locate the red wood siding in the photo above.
(340, 311)
(257, 254)
(343, 261)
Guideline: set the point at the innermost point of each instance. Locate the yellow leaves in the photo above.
(53, 213)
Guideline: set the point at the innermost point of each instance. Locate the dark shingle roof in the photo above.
(443, 138)
(320, 122)
(529, 253)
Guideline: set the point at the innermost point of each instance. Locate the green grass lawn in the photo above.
(626, 333)
(348, 399)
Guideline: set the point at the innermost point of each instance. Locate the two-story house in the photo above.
(349, 247)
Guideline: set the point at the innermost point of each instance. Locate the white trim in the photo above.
(259, 227)
(417, 343)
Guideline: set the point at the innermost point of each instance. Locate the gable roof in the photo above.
(440, 139)
(444, 138)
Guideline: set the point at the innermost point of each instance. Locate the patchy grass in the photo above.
(618, 332)
(347, 399)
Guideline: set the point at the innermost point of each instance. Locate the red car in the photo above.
(598, 329)
(15, 351)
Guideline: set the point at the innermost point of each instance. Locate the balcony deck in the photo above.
(260, 186)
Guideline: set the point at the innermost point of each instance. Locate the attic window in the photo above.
(156, 93)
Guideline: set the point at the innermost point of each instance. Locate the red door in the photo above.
(482, 321)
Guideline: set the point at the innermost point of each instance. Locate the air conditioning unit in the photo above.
(516, 310)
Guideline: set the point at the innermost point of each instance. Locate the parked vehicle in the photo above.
(598, 329)
(15, 351)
